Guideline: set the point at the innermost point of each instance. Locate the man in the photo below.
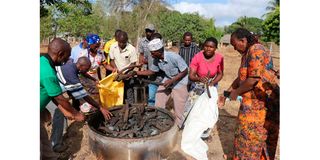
(146, 59)
(188, 49)
(107, 48)
(76, 50)
(175, 80)
(58, 53)
(122, 54)
(143, 45)
(70, 82)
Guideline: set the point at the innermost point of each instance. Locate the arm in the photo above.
(108, 67)
(145, 73)
(176, 78)
(194, 77)
(88, 76)
(141, 59)
(106, 114)
(66, 108)
(113, 64)
(217, 79)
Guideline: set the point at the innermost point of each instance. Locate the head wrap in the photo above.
(155, 44)
(92, 39)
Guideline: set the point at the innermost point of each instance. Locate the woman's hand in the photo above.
(203, 79)
(234, 94)
(221, 101)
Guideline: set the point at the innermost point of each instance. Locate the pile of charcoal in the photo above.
(136, 122)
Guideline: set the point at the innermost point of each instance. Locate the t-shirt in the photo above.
(107, 48)
(96, 61)
(76, 52)
(202, 66)
(171, 65)
(123, 58)
(49, 84)
(70, 73)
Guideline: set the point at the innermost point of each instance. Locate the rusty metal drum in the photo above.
(113, 148)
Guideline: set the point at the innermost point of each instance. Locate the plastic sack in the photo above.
(111, 92)
(203, 115)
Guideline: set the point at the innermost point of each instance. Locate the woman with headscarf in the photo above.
(96, 57)
(256, 83)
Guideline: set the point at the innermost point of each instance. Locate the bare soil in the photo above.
(222, 135)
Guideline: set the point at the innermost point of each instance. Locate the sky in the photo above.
(225, 12)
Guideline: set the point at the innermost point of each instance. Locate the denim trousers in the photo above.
(152, 90)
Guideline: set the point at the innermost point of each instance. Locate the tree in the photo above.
(253, 24)
(271, 26)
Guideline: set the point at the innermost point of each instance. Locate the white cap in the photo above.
(155, 44)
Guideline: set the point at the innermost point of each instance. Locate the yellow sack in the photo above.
(111, 92)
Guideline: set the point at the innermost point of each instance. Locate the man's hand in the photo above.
(168, 83)
(97, 83)
(221, 101)
(79, 117)
(106, 114)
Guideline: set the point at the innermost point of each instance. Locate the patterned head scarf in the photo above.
(92, 39)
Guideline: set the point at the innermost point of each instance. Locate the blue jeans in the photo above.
(152, 94)
(59, 124)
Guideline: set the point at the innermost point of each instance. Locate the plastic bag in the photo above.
(203, 115)
(111, 92)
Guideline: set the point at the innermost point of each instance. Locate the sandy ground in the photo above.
(222, 135)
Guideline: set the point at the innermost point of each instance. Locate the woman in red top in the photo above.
(206, 68)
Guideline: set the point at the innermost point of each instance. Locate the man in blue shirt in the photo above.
(175, 80)
(76, 50)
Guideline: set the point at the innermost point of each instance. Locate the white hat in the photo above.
(150, 26)
(155, 44)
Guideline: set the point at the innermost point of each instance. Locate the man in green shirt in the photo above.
(58, 53)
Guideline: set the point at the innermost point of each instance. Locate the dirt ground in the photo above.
(222, 136)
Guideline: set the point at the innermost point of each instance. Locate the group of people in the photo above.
(186, 76)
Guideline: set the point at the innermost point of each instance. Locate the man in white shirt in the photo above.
(122, 54)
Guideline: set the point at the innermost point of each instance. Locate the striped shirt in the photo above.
(187, 53)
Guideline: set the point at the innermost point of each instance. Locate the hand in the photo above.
(168, 83)
(79, 117)
(203, 79)
(114, 70)
(97, 83)
(233, 95)
(221, 101)
(106, 114)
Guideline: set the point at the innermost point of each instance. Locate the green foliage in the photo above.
(253, 24)
(271, 26)
(71, 18)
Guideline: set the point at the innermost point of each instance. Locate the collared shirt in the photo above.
(123, 58)
(107, 46)
(187, 53)
(49, 83)
(172, 64)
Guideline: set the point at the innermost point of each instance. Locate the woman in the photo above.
(97, 59)
(256, 84)
(206, 68)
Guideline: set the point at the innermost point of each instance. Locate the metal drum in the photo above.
(111, 148)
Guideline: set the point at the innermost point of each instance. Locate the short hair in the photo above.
(187, 34)
(212, 39)
(123, 34)
(117, 32)
(244, 33)
(156, 35)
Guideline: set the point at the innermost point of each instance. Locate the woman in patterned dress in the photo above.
(256, 83)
